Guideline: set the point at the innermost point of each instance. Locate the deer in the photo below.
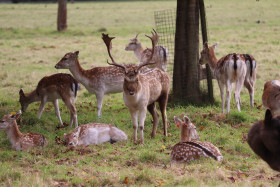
(189, 148)
(50, 89)
(142, 90)
(228, 70)
(263, 138)
(270, 97)
(20, 141)
(160, 56)
(94, 133)
(98, 80)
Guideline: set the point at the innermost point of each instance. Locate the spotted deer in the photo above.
(160, 56)
(94, 133)
(229, 69)
(50, 89)
(98, 80)
(271, 97)
(189, 148)
(142, 90)
(20, 141)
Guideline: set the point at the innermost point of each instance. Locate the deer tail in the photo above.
(235, 61)
(248, 57)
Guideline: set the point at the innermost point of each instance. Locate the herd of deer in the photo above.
(143, 85)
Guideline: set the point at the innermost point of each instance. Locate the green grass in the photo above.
(31, 46)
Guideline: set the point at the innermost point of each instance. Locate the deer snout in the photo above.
(71, 143)
(131, 93)
(126, 48)
(56, 66)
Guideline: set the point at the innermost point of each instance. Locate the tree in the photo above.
(62, 15)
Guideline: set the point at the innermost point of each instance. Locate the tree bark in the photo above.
(185, 73)
(62, 15)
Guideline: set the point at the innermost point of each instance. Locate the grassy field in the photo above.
(31, 46)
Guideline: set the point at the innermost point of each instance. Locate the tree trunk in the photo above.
(185, 73)
(62, 15)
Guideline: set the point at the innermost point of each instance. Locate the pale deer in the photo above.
(50, 89)
(19, 140)
(142, 90)
(189, 148)
(160, 56)
(94, 133)
(229, 69)
(98, 80)
(271, 97)
(263, 138)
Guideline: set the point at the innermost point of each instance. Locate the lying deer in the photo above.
(18, 140)
(94, 133)
(160, 56)
(189, 148)
(50, 89)
(229, 69)
(263, 138)
(271, 97)
(98, 80)
(142, 90)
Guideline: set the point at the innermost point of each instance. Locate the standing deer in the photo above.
(142, 90)
(229, 69)
(160, 56)
(271, 97)
(94, 133)
(18, 140)
(50, 89)
(98, 80)
(189, 148)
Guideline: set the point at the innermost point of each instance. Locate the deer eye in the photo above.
(74, 136)
(64, 58)
(2, 121)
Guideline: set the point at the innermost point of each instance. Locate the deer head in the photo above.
(67, 61)
(131, 81)
(133, 44)
(23, 101)
(9, 120)
(205, 53)
(188, 129)
(71, 139)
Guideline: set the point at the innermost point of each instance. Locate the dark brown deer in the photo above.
(142, 90)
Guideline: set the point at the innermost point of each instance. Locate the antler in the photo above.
(107, 40)
(136, 36)
(154, 39)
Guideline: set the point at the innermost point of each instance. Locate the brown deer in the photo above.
(160, 56)
(94, 133)
(271, 97)
(98, 80)
(50, 89)
(18, 140)
(229, 69)
(189, 148)
(142, 90)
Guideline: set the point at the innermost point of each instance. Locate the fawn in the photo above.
(270, 97)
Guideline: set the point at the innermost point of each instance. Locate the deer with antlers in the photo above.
(142, 90)
(160, 55)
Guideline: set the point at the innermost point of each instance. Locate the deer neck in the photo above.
(14, 134)
(31, 97)
(138, 51)
(212, 59)
(78, 72)
(185, 134)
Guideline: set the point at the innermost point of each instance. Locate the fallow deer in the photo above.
(160, 56)
(19, 140)
(271, 97)
(189, 148)
(263, 138)
(142, 90)
(98, 80)
(229, 69)
(94, 133)
(50, 89)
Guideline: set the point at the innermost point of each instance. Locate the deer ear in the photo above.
(21, 93)
(64, 134)
(215, 46)
(205, 45)
(76, 53)
(16, 115)
(268, 117)
(177, 121)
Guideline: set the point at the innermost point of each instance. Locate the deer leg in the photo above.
(229, 89)
(42, 105)
(57, 112)
(238, 88)
(162, 105)
(73, 113)
(221, 85)
(134, 117)
(99, 98)
(142, 117)
(250, 89)
(153, 111)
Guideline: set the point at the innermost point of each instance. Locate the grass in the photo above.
(31, 46)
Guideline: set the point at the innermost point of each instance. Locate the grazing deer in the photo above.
(229, 69)
(142, 90)
(189, 148)
(263, 138)
(18, 140)
(98, 80)
(50, 89)
(271, 97)
(94, 133)
(160, 56)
